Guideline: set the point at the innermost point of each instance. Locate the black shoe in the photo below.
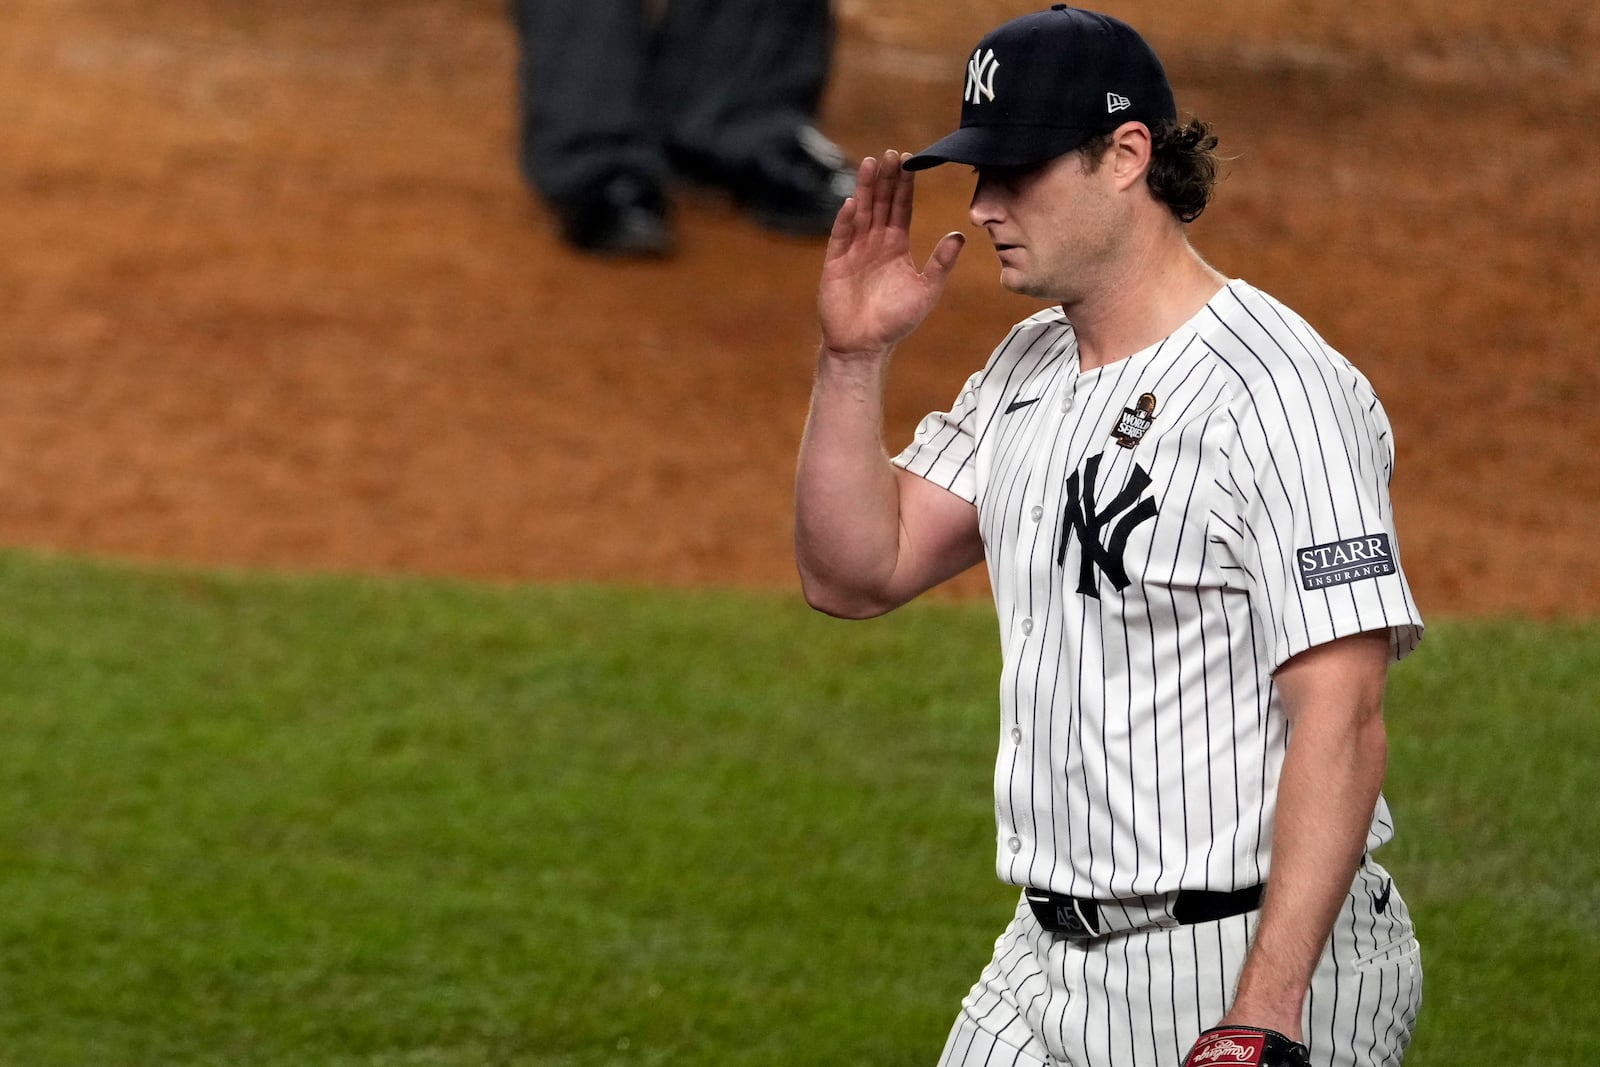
(623, 215)
(796, 187)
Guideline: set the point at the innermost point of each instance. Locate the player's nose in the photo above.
(987, 204)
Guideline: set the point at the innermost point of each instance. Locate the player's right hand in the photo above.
(872, 296)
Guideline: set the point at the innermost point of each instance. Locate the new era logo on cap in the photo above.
(1116, 103)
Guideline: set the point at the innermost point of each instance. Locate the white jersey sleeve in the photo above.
(945, 446)
(948, 445)
(1309, 465)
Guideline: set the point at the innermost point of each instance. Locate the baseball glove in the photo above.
(1226, 1046)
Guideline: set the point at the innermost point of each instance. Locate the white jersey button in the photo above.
(1015, 845)
(1037, 513)
(1016, 735)
(1027, 627)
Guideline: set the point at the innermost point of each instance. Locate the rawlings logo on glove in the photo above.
(1225, 1046)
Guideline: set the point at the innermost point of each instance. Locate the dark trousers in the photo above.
(604, 87)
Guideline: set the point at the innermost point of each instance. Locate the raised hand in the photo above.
(872, 296)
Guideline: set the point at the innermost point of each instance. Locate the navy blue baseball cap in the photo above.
(1043, 84)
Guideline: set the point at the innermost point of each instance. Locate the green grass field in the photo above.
(262, 820)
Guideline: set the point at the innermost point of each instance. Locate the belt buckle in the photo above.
(1067, 916)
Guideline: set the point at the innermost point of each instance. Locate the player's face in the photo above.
(1056, 227)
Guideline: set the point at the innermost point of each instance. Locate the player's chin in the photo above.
(1016, 281)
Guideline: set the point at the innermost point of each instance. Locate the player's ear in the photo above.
(1129, 155)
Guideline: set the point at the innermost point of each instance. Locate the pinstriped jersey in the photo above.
(1161, 534)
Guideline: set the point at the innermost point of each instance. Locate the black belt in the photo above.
(1081, 917)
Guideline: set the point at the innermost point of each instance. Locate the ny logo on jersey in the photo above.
(980, 76)
(1081, 517)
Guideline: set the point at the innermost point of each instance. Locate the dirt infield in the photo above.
(274, 295)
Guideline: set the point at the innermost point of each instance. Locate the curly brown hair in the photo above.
(1183, 164)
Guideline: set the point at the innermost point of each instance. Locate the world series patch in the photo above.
(1342, 562)
(1135, 421)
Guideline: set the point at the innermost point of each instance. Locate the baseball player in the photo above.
(1181, 494)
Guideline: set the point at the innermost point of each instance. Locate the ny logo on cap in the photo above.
(1115, 103)
(980, 76)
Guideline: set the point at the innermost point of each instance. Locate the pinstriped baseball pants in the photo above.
(1140, 999)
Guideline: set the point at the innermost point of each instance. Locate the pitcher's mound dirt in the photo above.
(274, 295)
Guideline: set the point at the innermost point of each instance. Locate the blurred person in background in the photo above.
(620, 98)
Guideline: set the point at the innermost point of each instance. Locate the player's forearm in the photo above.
(1332, 775)
(847, 526)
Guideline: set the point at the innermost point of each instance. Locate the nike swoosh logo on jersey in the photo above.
(1380, 901)
(1017, 405)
